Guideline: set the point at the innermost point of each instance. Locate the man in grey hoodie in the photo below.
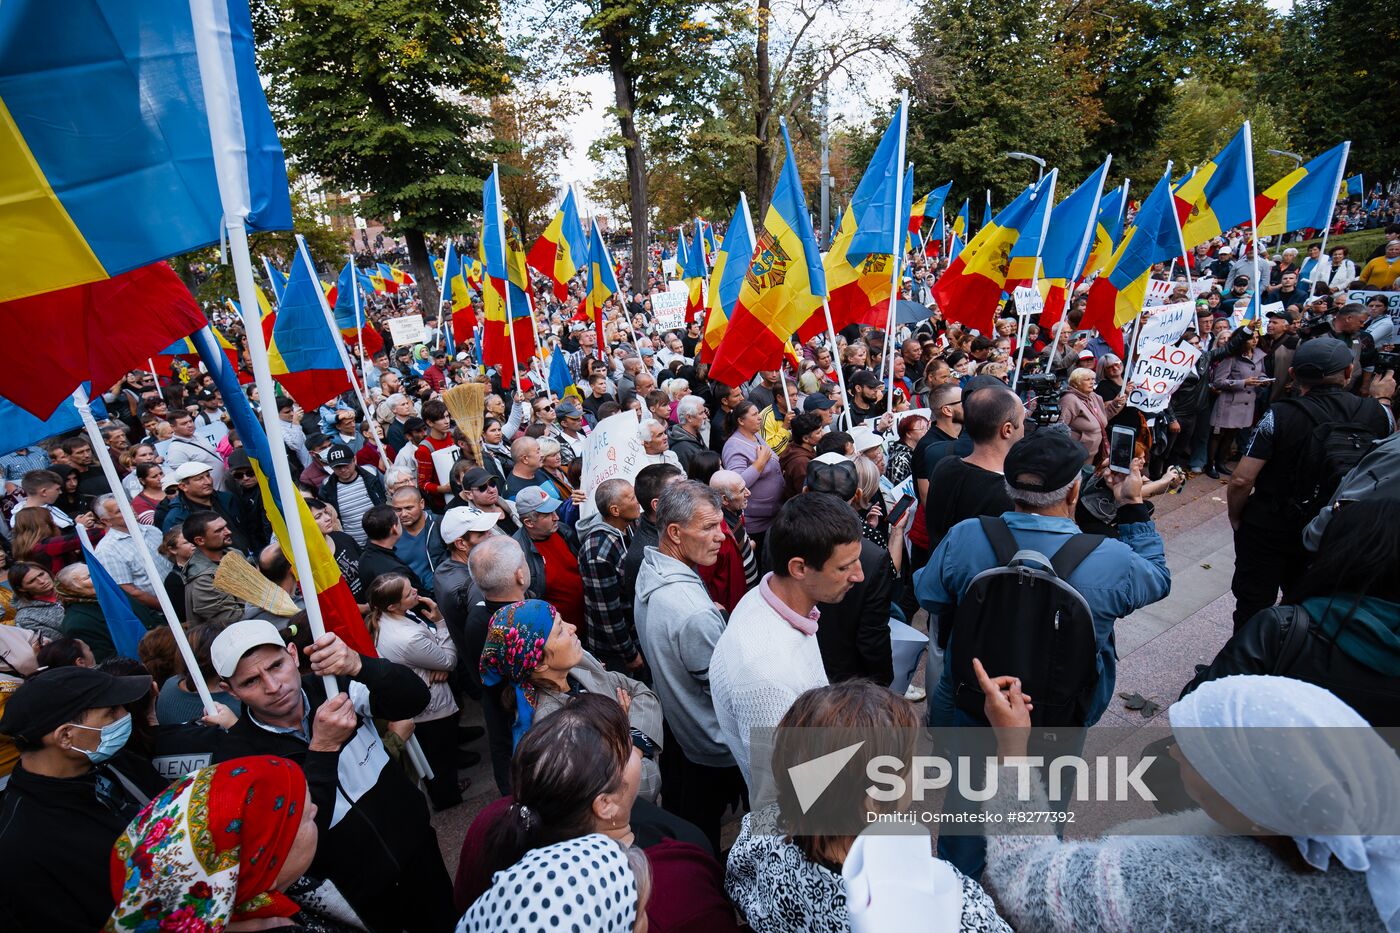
(679, 625)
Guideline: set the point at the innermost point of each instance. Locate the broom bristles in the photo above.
(467, 405)
(242, 580)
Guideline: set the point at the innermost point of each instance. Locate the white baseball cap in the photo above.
(865, 438)
(462, 519)
(190, 470)
(237, 640)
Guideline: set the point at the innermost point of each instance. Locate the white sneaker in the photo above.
(915, 693)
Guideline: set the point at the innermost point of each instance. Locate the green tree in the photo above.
(211, 281)
(377, 97)
(1338, 80)
(995, 75)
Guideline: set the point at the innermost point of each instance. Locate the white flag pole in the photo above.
(896, 250)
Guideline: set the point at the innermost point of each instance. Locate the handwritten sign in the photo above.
(1028, 300)
(1167, 323)
(614, 451)
(669, 309)
(407, 330)
(1158, 372)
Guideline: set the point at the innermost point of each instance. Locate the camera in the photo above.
(1388, 362)
(1045, 388)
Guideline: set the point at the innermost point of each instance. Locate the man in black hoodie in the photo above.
(376, 842)
(72, 794)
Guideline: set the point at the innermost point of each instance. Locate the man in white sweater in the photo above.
(768, 654)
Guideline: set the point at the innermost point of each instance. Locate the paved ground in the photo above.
(1158, 647)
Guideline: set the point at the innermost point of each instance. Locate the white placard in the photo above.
(668, 309)
(1393, 298)
(678, 285)
(443, 461)
(1201, 285)
(1158, 372)
(1158, 291)
(668, 266)
(614, 451)
(1167, 323)
(407, 330)
(1028, 300)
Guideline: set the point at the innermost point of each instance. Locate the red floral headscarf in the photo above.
(207, 851)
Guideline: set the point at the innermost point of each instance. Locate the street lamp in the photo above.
(1297, 159)
(1027, 157)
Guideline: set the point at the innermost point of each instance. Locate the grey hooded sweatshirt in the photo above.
(678, 626)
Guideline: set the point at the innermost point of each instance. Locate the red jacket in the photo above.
(427, 475)
(724, 580)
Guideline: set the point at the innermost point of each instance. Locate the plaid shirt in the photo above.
(610, 635)
(20, 462)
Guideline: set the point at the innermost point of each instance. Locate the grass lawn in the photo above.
(1359, 244)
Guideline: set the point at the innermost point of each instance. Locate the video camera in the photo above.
(1046, 389)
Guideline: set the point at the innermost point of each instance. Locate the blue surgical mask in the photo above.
(114, 736)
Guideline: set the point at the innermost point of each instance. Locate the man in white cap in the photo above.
(462, 529)
(376, 842)
(198, 494)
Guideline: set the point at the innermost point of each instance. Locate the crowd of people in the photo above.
(623, 642)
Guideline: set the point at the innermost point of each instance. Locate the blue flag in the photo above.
(125, 628)
(20, 429)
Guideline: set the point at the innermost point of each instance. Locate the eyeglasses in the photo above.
(241, 474)
(544, 408)
(484, 487)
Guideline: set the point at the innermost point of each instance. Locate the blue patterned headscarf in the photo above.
(514, 648)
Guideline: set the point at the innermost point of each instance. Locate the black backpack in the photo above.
(1331, 450)
(1022, 618)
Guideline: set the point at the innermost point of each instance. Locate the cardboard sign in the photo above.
(407, 330)
(1201, 285)
(669, 267)
(1167, 323)
(443, 461)
(614, 451)
(1158, 291)
(1028, 300)
(668, 308)
(1158, 372)
(1392, 299)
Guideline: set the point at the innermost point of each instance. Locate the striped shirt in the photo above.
(120, 554)
(352, 502)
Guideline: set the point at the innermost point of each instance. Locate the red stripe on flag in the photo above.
(98, 332)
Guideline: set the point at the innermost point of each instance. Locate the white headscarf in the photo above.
(1340, 773)
(893, 882)
(580, 884)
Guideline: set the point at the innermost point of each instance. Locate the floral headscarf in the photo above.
(207, 851)
(514, 649)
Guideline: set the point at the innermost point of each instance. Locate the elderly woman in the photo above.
(1086, 413)
(1235, 376)
(535, 661)
(1288, 778)
(36, 604)
(1110, 377)
(82, 616)
(785, 869)
(748, 454)
(219, 850)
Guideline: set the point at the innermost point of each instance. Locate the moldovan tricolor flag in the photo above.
(971, 289)
(1117, 297)
(694, 274)
(1108, 230)
(496, 349)
(327, 586)
(1025, 254)
(602, 281)
(1304, 197)
(784, 284)
(727, 277)
(302, 353)
(560, 250)
(1220, 194)
(1066, 244)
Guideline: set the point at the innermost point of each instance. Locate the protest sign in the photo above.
(614, 451)
(1201, 285)
(1159, 370)
(1167, 323)
(407, 330)
(893, 432)
(212, 432)
(669, 309)
(1392, 299)
(443, 461)
(1158, 290)
(669, 267)
(1028, 300)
